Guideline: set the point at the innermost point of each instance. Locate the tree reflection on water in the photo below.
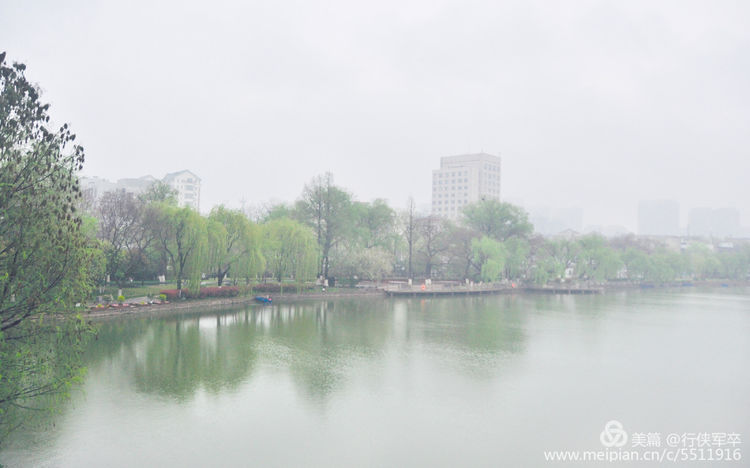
(321, 344)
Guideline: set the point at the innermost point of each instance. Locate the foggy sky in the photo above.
(592, 104)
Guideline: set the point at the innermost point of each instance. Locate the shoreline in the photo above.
(221, 303)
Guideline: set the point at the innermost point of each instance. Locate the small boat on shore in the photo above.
(263, 299)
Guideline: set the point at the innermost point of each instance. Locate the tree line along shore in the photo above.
(328, 238)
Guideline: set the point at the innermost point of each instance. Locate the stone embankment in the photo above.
(220, 303)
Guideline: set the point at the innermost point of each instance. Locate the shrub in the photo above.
(120, 298)
(210, 291)
(267, 288)
(216, 291)
(171, 294)
(162, 297)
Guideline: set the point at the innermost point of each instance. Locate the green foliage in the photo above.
(637, 263)
(668, 266)
(658, 266)
(432, 242)
(181, 235)
(543, 265)
(565, 253)
(277, 211)
(490, 256)
(374, 224)
(327, 209)
(497, 220)
(703, 262)
(460, 253)
(289, 249)
(47, 260)
(596, 260)
(517, 257)
(159, 192)
(546, 269)
(234, 244)
(39, 371)
(736, 264)
(217, 247)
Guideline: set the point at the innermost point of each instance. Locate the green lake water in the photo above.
(473, 381)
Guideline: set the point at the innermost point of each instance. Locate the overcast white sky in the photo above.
(590, 103)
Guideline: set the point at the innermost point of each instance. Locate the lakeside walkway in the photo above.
(480, 289)
(448, 290)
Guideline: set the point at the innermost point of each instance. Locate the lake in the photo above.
(464, 381)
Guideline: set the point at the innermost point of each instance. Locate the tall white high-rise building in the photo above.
(464, 179)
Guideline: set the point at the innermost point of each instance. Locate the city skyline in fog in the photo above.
(590, 106)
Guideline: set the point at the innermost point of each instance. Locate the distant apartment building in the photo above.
(714, 222)
(188, 187)
(658, 218)
(94, 187)
(139, 185)
(185, 183)
(464, 179)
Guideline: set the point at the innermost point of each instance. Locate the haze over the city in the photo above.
(589, 104)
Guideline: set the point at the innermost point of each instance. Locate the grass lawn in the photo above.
(135, 291)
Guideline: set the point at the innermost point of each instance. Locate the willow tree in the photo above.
(235, 244)
(545, 265)
(252, 263)
(290, 250)
(45, 258)
(489, 256)
(181, 235)
(517, 260)
(216, 239)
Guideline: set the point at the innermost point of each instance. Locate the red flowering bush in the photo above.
(218, 291)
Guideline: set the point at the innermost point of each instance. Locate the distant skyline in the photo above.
(590, 104)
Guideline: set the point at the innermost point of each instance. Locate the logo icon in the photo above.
(613, 434)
